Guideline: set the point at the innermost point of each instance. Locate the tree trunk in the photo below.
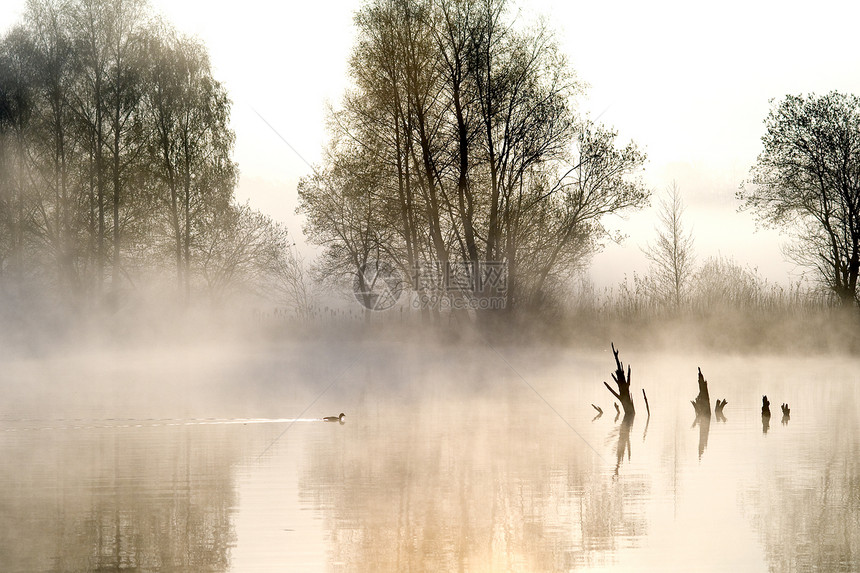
(702, 403)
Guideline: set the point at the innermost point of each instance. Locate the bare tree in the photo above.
(242, 250)
(348, 215)
(16, 102)
(671, 254)
(187, 115)
(290, 283)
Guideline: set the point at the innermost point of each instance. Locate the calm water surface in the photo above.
(215, 460)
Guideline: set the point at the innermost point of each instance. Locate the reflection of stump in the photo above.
(623, 442)
(623, 382)
(704, 431)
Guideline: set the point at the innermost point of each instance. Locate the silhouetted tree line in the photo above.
(115, 159)
(458, 144)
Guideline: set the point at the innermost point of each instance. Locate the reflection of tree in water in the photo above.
(119, 503)
(488, 488)
(809, 518)
(623, 448)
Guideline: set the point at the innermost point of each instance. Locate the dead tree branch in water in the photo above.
(622, 380)
(623, 383)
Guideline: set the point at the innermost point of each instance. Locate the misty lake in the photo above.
(450, 459)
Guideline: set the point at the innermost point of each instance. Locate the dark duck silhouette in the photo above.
(335, 418)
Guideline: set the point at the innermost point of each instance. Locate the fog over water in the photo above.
(452, 455)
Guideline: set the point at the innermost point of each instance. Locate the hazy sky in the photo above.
(690, 82)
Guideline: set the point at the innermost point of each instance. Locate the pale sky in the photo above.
(690, 82)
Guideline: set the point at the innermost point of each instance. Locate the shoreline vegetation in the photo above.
(463, 151)
(813, 329)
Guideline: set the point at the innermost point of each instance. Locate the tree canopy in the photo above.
(807, 181)
(458, 148)
(116, 160)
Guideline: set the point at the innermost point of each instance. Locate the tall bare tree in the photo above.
(16, 113)
(190, 141)
(671, 254)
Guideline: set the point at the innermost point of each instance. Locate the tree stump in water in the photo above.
(718, 410)
(786, 414)
(702, 403)
(623, 383)
(702, 406)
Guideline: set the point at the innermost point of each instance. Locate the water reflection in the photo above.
(624, 441)
(111, 500)
(488, 483)
(704, 423)
(807, 511)
(477, 477)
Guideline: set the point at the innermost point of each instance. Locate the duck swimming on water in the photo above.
(335, 418)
